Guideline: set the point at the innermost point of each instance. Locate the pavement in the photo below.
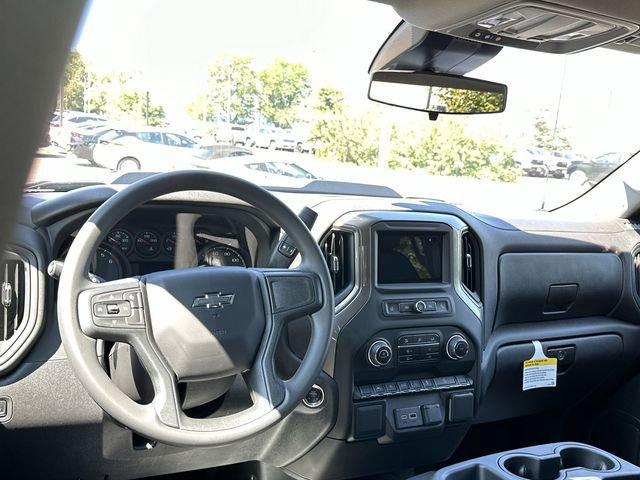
(527, 193)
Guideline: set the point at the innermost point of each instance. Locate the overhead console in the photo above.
(531, 25)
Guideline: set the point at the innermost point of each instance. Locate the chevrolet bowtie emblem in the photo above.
(213, 300)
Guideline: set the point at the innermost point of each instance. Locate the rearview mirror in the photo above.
(437, 93)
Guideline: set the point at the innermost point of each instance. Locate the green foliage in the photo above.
(330, 100)
(230, 94)
(544, 137)
(447, 149)
(75, 78)
(469, 101)
(118, 97)
(284, 85)
(343, 137)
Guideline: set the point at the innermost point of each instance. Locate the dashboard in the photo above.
(436, 310)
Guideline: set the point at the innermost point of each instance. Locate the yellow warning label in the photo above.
(539, 362)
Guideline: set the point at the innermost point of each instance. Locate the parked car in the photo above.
(231, 134)
(286, 140)
(263, 137)
(591, 171)
(213, 152)
(149, 149)
(61, 127)
(533, 162)
(84, 139)
(263, 170)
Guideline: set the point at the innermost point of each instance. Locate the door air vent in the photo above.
(13, 295)
(471, 265)
(338, 249)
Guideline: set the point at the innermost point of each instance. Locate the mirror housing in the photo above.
(437, 93)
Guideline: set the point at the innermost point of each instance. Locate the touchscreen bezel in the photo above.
(419, 228)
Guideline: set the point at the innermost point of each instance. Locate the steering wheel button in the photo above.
(134, 298)
(137, 319)
(112, 308)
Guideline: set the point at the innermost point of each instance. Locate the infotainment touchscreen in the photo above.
(409, 257)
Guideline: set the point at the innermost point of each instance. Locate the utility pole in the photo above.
(146, 108)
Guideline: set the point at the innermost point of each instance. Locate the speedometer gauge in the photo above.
(222, 257)
(147, 243)
(120, 239)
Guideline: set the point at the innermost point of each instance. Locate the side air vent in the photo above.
(339, 252)
(471, 264)
(21, 308)
(13, 293)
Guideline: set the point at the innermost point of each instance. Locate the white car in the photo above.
(148, 149)
(263, 170)
(61, 127)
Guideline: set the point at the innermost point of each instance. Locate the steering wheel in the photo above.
(195, 323)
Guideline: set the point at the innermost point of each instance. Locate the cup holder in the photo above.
(534, 468)
(580, 457)
(550, 467)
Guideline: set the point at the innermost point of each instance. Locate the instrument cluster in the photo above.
(130, 250)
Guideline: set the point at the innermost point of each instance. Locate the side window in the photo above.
(185, 142)
(172, 140)
(150, 137)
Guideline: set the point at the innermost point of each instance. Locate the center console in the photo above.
(543, 462)
(414, 355)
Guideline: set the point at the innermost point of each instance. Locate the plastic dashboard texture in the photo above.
(549, 286)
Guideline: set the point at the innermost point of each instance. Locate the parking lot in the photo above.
(527, 193)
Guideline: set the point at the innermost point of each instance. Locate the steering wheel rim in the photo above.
(286, 294)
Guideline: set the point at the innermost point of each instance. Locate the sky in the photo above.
(169, 45)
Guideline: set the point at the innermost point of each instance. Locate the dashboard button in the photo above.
(379, 389)
(365, 390)
(391, 387)
(403, 386)
(427, 383)
(415, 384)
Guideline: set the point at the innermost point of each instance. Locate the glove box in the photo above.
(584, 363)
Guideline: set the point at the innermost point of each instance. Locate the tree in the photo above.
(230, 94)
(468, 101)
(74, 82)
(450, 150)
(546, 138)
(284, 85)
(119, 97)
(330, 100)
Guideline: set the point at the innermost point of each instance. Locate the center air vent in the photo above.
(12, 296)
(471, 268)
(338, 250)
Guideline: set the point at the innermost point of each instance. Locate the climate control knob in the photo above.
(379, 353)
(457, 347)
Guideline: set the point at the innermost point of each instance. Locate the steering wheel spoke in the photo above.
(114, 311)
(293, 293)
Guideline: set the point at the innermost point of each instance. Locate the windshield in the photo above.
(158, 86)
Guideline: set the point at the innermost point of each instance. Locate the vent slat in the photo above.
(13, 297)
(470, 263)
(338, 250)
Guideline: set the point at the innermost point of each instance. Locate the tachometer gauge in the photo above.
(120, 239)
(222, 257)
(107, 265)
(147, 243)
